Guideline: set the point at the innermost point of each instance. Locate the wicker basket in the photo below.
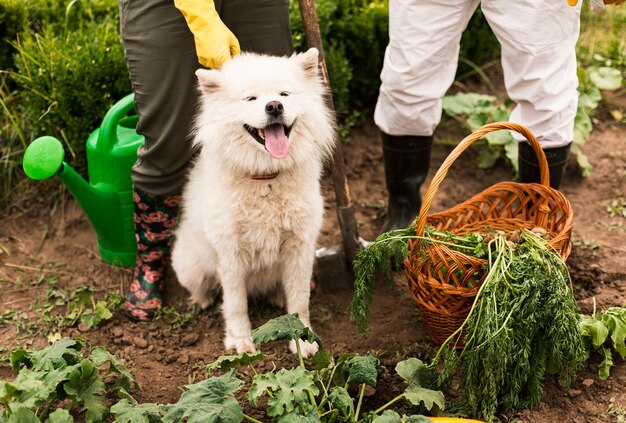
(445, 282)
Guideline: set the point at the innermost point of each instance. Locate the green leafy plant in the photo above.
(475, 110)
(604, 333)
(522, 324)
(62, 376)
(320, 394)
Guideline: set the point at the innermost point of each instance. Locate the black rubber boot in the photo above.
(407, 159)
(529, 165)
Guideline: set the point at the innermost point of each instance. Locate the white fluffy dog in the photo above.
(252, 208)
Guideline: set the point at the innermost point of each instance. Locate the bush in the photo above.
(68, 82)
(55, 15)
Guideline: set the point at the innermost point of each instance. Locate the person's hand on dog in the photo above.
(215, 43)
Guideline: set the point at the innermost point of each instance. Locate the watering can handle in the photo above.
(107, 136)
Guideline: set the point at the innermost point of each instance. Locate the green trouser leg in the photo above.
(161, 58)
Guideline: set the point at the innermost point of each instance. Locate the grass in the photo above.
(602, 33)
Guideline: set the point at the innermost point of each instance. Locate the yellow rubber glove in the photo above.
(215, 43)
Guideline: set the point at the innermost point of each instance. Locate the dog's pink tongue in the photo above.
(276, 142)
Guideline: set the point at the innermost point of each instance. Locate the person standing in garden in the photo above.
(538, 40)
(165, 42)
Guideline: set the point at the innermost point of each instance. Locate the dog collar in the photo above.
(264, 177)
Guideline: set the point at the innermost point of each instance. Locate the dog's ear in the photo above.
(309, 61)
(209, 80)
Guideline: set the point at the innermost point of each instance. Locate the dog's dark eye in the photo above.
(251, 98)
(285, 93)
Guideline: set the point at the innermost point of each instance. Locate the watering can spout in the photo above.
(108, 210)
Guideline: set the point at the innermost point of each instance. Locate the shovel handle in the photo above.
(345, 209)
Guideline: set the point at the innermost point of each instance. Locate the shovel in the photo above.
(334, 264)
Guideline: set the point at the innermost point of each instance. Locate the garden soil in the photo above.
(165, 357)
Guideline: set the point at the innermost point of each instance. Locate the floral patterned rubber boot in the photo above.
(155, 220)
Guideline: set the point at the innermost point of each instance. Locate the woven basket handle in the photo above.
(461, 147)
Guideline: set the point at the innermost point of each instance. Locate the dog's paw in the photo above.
(306, 348)
(203, 301)
(240, 344)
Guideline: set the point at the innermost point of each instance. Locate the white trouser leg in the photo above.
(420, 63)
(538, 39)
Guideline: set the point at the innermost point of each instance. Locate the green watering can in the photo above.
(107, 199)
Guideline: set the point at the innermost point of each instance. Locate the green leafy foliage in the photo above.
(361, 370)
(61, 374)
(604, 333)
(293, 395)
(390, 250)
(390, 416)
(290, 389)
(523, 323)
(419, 377)
(208, 401)
(286, 327)
(129, 411)
(475, 110)
(227, 362)
(57, 100)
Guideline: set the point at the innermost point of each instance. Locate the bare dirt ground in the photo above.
(165, 357)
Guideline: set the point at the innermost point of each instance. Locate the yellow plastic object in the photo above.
(215, 43)
(453, 420)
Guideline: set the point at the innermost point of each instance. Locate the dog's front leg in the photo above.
(297, 273)
(235, 309)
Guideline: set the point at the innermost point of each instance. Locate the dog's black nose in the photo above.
(274, 108)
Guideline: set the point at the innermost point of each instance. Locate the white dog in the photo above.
(252, 208)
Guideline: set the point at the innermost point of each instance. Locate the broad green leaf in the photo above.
(60, 415)
(595, 329)
(341, 400)
(63, 352)
(23, 415)
(604, 369)
(323, 359)
(126, 411)
(476, 120)
(582, 160)
(416, 395)
(388, 416)
(361, 369)
(605, 78)
(499, 138)
(617, 327)
(101, 356)
(589, 100)
(466, 103)
(28, 389)
(290, 388)
(92, 318)
(86, 385)
(285, 327)
(487, 157)
(260, 384)
(582, 126)
(414, 372)
(227, 362)
(208, 401)
(20, 358)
